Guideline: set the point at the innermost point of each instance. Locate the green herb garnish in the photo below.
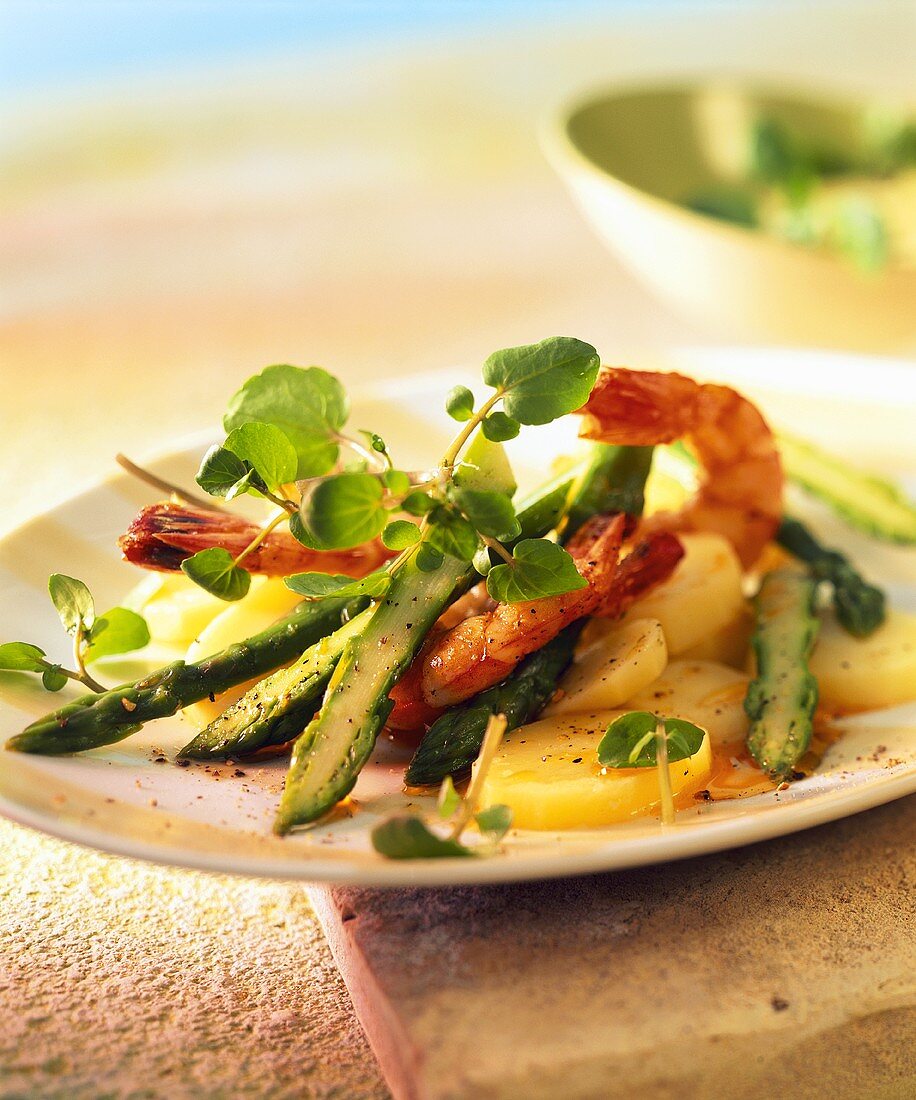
(116, 631)
(644, 740)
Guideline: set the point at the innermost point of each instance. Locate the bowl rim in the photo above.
(561, 150)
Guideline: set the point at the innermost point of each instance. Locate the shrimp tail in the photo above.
(163, 535)
(739, 495)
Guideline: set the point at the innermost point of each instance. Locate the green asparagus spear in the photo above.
(275, 709)
(859, 605)
(329, 754)
(780, 701)
(452, 742)
(868, 503)
(613, 479)
(104, 719)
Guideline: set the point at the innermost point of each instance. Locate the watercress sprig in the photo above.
(408, 836)
(458, 515)
(641, 739)
(117, 631)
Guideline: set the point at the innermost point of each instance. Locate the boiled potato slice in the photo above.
(704, 692)
(855, 674)
(701, 596)
(612, 663)
(175, 609)
(268, 599)
(548, 773)
(729, 645)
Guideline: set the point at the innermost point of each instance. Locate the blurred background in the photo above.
(191, 190)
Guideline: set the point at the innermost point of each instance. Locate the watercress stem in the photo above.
(377, 462)
(83, 675)
(260, 537)
(664, 776)
(492, 739)
(160, 483)
(497, 547)
(451, 455)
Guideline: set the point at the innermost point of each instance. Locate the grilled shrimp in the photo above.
(164, 534)
(740, 491)
(483, 649)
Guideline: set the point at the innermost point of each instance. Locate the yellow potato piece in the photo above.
(855, 674)
(268, 599)
(701, 596)
(175, 609)
(548, 773)
(729, 645)
(612, 662)
(704, 692)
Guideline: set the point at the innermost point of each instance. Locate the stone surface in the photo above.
(123, 979)
(786, 968)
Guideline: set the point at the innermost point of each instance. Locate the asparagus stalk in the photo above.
(328, 755)
(869, 503)
(859, 605)
(613, 479)
(780, 701)
(105, 719)
(275, 709)
(452, 742)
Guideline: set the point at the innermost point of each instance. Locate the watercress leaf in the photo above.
(214, 570)
(428, 558)
(396, 481)
(459, 404)
(418, 503)
(684, 739)
(491, 513)
(316, 586)
(308, 404)
(400, 534)
(449, 799)
(117, 631)
(249, 483)
(73, 602)
(499, 427)
(629, 741)
(543, 381)
(302, 534)
(485, 465)
(494, 822)
(267, 449)
(540, 568)
(345, 510)
(483, 562)
(450, 533)
(407, 837)
(375, 441)
(22, 657)
(53, 679)
(220, 470)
